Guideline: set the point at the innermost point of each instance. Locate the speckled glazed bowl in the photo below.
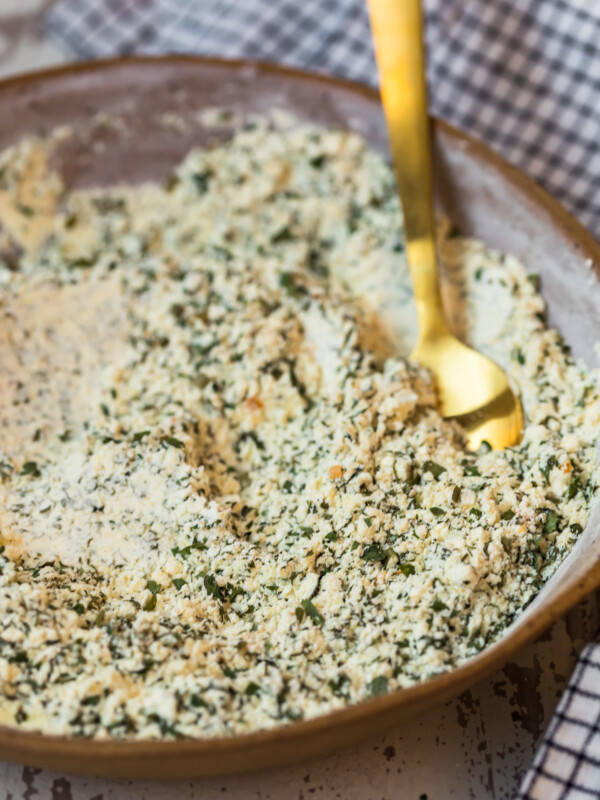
(481, 194)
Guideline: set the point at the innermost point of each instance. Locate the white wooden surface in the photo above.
(474, 748)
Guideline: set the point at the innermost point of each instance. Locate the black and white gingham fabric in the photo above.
(523, 75)
(567, 765)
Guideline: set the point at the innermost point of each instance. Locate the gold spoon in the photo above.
(472, 388)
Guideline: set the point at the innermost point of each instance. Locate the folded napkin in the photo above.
(567, 764)
(522, 75)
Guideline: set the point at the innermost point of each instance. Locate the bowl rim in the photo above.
(43, 749)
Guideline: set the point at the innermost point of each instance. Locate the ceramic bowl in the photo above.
(157, 103)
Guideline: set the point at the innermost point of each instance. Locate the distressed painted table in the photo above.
(476, 747)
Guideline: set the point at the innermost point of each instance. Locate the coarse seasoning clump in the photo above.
(227, 501)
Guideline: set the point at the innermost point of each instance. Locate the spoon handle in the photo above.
(397, 27)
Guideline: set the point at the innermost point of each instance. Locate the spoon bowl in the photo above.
(473, 390)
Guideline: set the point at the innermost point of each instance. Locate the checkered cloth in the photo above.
(523, 75)
(567, 765)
